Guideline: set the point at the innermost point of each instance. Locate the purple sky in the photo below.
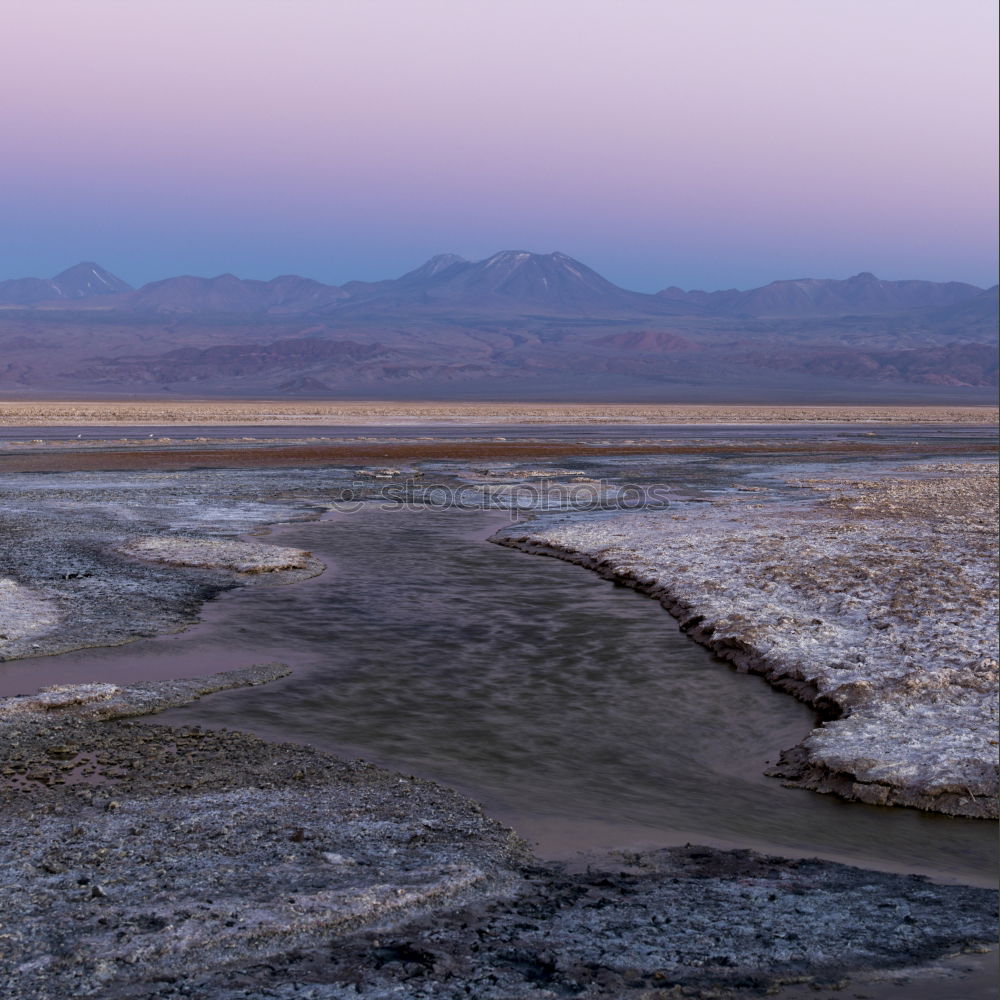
(703, 143)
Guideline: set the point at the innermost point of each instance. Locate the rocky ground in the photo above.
(150, 861)
(875, 601)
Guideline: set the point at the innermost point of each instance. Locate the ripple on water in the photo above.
(575, 709)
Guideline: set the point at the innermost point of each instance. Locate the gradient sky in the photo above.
(702, 143)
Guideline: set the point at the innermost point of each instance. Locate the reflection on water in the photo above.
(573, 708)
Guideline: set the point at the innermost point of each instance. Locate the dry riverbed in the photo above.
(876, 602)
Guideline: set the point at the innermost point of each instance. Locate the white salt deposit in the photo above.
(23, 613)
(217, 553)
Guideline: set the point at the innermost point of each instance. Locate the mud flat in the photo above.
(874, 601)
(148, 861)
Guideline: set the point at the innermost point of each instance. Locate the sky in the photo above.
(700, 143)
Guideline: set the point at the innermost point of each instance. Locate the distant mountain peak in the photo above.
(442, 260)
(524, 256)
(438, 264)
(81, 281)
(507, 282)
(555, 262)
(508, 256)
(87, 278)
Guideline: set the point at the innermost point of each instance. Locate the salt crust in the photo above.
(875, 601)
(23, 612)
(217, 553)
(111, 701)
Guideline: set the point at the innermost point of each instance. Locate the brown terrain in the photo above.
(514, 326)
(41, 412)
(180, 454)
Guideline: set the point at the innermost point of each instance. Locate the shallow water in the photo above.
(574, 433)
(572, 708)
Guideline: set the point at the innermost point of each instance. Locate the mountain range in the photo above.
(514, 325)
